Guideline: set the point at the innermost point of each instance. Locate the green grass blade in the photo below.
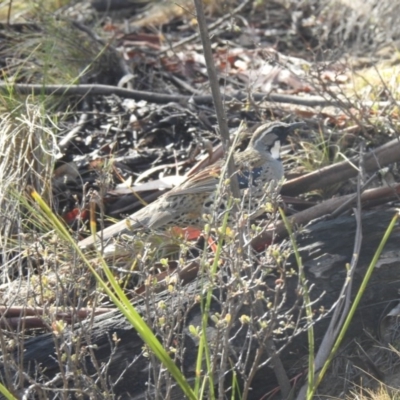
(4, 391)
(356, 301)
(121, 301)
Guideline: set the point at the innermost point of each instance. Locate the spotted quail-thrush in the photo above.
(185, 205)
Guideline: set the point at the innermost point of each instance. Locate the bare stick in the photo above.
(327, 176)
(160, 98)
(381, 194)
(219, 108)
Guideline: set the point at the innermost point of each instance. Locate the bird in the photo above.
(185, 205)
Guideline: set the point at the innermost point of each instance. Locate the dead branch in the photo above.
(333, 174)
(369, 197)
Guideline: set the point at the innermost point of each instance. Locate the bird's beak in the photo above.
(296, 125)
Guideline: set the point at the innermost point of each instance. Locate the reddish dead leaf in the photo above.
(306, 113)
(334, 76)
(74, 215)
(140, 44)
(142, 37)
(110, 27)
(185, 67)
(188, 233)
(304, 89)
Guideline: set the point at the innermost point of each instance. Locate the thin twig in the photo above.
(346, 205)
(302, 218)
(216, 94)
(158, 98)
(339, 172)
(211, 27)
(63, 143)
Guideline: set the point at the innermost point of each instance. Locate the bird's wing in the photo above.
(204, 181)
(208, 179)
(161, 212)
(153, 216)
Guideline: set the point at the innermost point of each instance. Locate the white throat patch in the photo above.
(275, 150)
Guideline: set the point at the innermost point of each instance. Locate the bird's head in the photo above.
(269, 136)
